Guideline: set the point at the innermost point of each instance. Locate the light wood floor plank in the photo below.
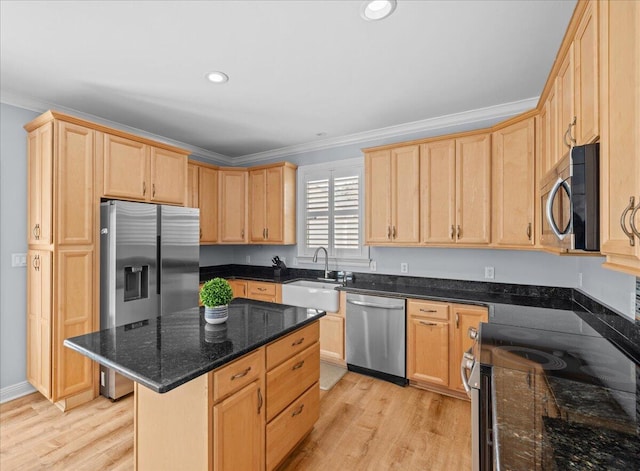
(365, 424)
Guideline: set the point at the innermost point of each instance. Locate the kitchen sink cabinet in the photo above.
(620, 135)
(437, 337)
(392, 196)
(513, 167)
(272, 204)
(332, 334)
(455, 190)
(62, 272)
(202, 193)
(232, 206)
(135, 170)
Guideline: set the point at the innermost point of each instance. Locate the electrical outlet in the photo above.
(18, 260)
(579, 280)
(248, 258)
(372, 265)
(489, 273)
(404, 267)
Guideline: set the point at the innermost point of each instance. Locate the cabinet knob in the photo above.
(623, 222)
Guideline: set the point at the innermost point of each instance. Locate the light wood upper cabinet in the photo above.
(438, 191)
(208, 204)
(125, 168)
(566, 110)
(620, 135)
(514, 184)
(193, 171)
(587, 76)
(473, 189)
(232, 206)
(74, 187)
(40, 180)
(168, 176)
(392, 205)
(272, 205)
(134, 170)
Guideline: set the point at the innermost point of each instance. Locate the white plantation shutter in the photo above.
(331, 208)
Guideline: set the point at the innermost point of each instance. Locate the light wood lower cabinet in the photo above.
(264, 291)
(239, 288)
(218, 421)
(437, 337)
(332, 334)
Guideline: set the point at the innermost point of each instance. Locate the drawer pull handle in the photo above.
(241, 374)
(297, 365)
(144, 188)
(261, 289)
(428, 310)
(430, 324)
(623, 223)
(153, 190)
(260, 401)
(529, 231)
(458, 233)
(36, 231)
(297, 342)
(298, 411)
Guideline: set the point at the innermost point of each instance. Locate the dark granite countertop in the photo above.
(168, 351)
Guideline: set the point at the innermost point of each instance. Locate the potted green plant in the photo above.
(216, 294)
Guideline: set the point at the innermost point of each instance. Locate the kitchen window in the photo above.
(330, 212)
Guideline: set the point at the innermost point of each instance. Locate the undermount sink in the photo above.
(312, 294)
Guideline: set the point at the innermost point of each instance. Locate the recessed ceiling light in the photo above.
(217, 77)
(372, 10)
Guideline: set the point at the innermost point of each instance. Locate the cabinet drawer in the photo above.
(295, 342)
(257, 288)
(230, 378)
(431, 309)
(287, 381)
(291, 426)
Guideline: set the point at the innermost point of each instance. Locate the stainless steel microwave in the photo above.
(570, 199)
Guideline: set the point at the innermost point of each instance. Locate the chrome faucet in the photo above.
(326, 260)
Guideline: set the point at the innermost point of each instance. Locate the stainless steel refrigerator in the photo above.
(149, 266)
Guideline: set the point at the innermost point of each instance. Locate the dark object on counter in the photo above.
(279, 268)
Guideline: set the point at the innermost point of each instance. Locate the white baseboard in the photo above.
(15, 391)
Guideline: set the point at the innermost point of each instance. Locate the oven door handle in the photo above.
(466, 364)
(560, 183)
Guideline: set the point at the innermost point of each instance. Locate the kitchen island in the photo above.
(238, 395)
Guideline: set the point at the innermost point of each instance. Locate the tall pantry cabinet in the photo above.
(62, 287)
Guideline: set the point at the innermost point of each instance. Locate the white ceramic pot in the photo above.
(216, 314)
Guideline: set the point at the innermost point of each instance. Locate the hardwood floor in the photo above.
(365, 424)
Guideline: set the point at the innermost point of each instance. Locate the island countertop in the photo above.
(168, 351)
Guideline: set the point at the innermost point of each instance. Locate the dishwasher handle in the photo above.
(381, 306)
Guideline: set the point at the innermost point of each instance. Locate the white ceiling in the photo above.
(296, 68)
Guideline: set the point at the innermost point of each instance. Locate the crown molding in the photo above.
(38, 106)
(465, 118)
(480, 115)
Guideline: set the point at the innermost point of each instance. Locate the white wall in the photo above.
(13, 231)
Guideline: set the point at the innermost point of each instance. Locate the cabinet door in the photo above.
(40, 180)
(473, 189)
(238, 430)
(39, 320)
(332, 338)
(239, 288)
(620, 140)
(208, 204)
(72, 316)
(274, 203)
(438, 191)
(125, 168)
(232, 206)
(586, 76)
(405, 199)
(555, 134)
(192, 186)
(168, 176)
(377, 168)
(257, 205)
(513, 187)
(75, 203)
(428, 350)
(566, 111)
(464, 316)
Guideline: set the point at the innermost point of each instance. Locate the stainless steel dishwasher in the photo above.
(376, 333)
